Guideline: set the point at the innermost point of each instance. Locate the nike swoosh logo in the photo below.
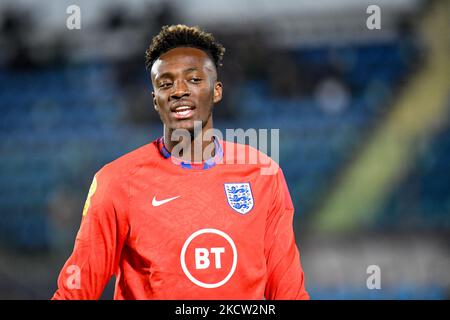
(157, 203)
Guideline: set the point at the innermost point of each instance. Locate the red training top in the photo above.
(221, 229)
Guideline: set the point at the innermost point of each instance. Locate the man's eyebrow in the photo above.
(170, 74)
(163, 75)
(190, 69)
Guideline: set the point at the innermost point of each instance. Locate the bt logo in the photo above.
(209, 258)
(201, 257)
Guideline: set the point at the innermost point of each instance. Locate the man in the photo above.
(169, 227)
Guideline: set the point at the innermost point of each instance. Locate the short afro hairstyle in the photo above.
(181, 35)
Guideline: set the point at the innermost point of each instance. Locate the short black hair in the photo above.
(181, 35)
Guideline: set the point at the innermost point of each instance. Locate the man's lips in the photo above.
(182, 104)
(182, 109)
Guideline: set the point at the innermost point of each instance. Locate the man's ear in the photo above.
(155, 105)
(217, 91)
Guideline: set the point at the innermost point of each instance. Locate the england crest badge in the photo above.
(239, 196)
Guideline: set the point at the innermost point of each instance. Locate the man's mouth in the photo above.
(183, 111)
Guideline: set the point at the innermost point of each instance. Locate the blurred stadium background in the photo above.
(363, 117)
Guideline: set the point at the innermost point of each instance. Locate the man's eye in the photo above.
(196, 80)
(165, 85)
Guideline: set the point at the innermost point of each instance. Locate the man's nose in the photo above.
(180, 90)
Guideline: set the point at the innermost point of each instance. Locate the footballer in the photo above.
(168, 227)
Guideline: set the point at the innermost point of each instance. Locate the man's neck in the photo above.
(195, 148)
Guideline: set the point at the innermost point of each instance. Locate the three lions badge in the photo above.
(239, 197)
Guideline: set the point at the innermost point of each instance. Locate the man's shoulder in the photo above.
(130, 162)
(242, 154)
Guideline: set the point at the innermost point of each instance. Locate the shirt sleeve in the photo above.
(285, 277)
(98, 243)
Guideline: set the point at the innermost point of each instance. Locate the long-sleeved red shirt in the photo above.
(171, 230)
